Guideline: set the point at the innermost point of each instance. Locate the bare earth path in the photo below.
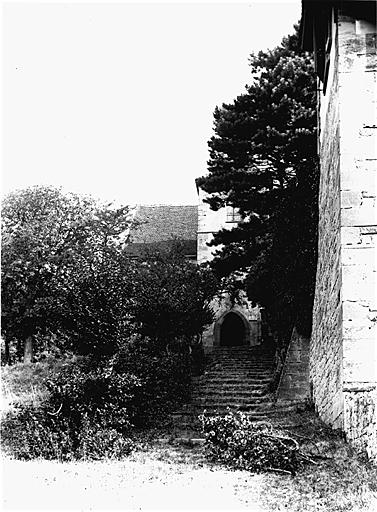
(164, 477)
(142, 482)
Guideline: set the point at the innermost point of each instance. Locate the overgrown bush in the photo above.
(87, 414)
(94, 406)
(238, 442)
(32, 432)
(96, 393)
(165, 380)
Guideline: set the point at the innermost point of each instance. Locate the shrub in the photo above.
(93, 406)
(240, 443)
(91, 390)
(165, 380)
(28, 433)
(87, 415)
(32, 432)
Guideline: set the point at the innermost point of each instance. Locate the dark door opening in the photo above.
(232, 331)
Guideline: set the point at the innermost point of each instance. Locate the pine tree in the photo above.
(263, 161)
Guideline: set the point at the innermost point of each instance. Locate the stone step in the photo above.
(230, 398)
(241, 384)
(192, 417)
(234, 369)
(245, 357)
(220, 369)
(240, 371)
(221, 382)
(250, 371)
(241, 360)
(229, 392)
(231, 389)
(257, 351)
(236, 379)
(223, 407)
(235, 375)
(231, 404)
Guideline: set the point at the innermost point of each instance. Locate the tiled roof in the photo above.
(154, 224)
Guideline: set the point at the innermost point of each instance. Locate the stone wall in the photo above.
(343, 352)
(360, 417)
(326, 343)
(358, 163)
(294, 380)
(209, 222)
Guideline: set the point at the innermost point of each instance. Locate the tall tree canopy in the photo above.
(50, 242)
(263, 161)
(66, 273)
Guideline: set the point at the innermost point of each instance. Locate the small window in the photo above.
(322, 43)
(232, 214)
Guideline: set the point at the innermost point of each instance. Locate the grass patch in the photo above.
(90, 407)
(340, 485)
(340, 480)
(24, 383)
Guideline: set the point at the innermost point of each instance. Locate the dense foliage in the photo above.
(235, 440)
(94, 408)
(51, 243)
(263, 161)
(172, 298)
(135, 323)
(67, 277)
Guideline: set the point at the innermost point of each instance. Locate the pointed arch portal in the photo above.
(232, 330)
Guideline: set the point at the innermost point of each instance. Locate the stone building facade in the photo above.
(343, 346)
(236, 322)
(155, 227)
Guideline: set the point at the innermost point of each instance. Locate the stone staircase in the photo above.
(236, 379)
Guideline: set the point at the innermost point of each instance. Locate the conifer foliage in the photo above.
(263, 161)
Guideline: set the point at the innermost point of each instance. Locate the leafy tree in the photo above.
(65, 270)
(50, 242)
(171, 299)
(263, 160)
(96, 308)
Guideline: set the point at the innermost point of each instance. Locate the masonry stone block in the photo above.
(357, 174)
(358, 279)
(363, 256)
(360, 359)
(360, 417)
(362, 214)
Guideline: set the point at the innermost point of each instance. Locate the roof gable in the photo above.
(159, 223)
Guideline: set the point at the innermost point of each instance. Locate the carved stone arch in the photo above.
(217, 331)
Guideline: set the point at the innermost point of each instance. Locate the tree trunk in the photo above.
(28, 350)
(19, 350)
(7, 352)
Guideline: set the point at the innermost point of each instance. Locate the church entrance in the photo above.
(232, 331)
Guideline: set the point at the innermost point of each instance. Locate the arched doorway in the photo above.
(232, 330)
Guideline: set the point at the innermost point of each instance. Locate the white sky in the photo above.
(116, 99)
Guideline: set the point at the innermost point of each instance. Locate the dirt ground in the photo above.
(142, 482)
(174, 478)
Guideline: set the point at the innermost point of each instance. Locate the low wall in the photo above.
(294, 380)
